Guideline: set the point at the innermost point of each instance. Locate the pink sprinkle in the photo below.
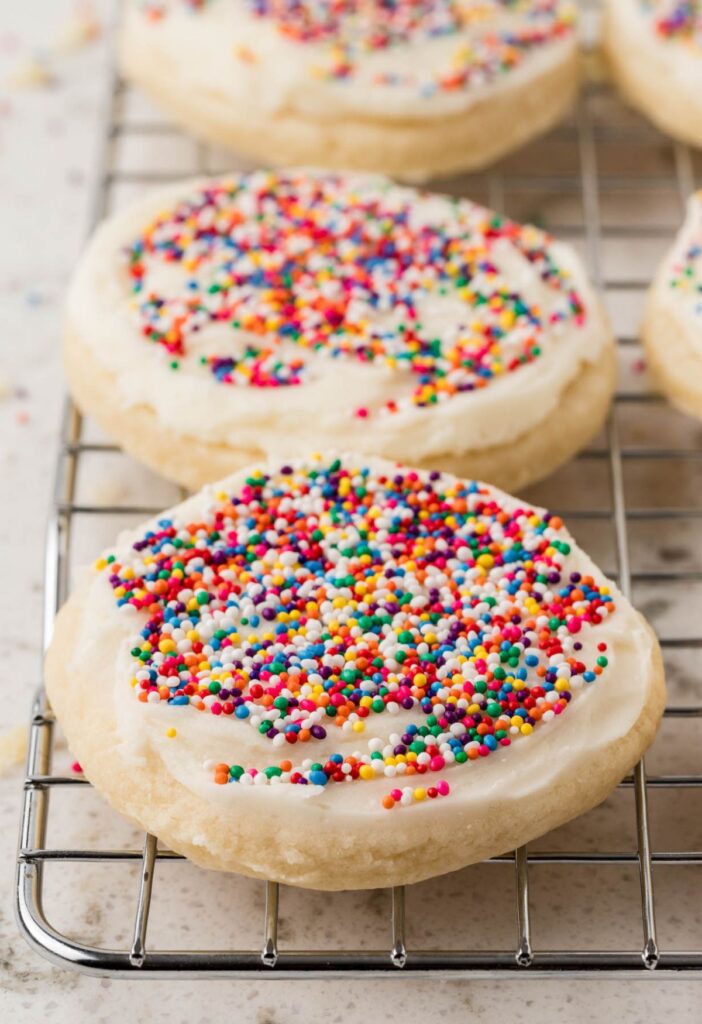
(443, 787)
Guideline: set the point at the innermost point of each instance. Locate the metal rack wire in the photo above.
(138, 958)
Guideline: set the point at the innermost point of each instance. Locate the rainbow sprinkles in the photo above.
(493, 37)
(677, 20)
(303, 266)
(371, 625)
(684, 272)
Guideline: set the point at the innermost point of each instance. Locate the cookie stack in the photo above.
(328, 668)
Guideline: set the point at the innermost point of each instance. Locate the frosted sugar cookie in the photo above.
(342, 673)
(655, 52)
(412, 88)
(672, 327)
(217, 322)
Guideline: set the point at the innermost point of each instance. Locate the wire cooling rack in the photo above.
(610, 208)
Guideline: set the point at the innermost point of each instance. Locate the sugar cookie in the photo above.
(655, 52)
(410, 88)
(342, 673)
(215, 323)
(672, 327)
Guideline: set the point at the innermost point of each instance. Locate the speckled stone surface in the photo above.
(49, 139)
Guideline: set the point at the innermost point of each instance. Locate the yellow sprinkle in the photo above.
(359, 727)
(171, 733)
(366, 772)
(419, 794)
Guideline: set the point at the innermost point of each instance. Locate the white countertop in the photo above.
(49, 138)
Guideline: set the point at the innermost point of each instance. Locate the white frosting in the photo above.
(320, 411)
(679, 280)
(598, 714)
(227, 52)
(678, 58)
